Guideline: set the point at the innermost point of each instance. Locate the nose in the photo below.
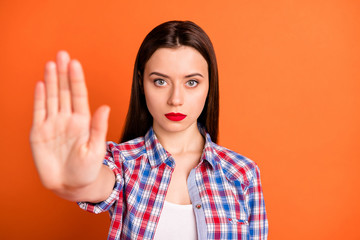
(176, 97)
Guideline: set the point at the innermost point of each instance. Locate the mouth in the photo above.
(175, 116)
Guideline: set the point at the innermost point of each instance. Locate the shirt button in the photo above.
(198, 206)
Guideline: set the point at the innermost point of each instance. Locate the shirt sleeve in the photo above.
(112, 160)
(258, 223)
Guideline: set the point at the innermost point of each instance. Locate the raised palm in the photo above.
(68, 144)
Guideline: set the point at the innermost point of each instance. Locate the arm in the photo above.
(68, 145)
(258, 223)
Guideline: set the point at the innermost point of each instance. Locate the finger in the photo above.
(98, 127)
(39, 104)
(62, 63)
(51, 89)
(79, 98)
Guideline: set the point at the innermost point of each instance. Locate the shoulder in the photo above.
(129, 150)
(234, 165)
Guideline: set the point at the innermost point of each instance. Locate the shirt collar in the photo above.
(158, 155)
(155, 151)
(208, 151)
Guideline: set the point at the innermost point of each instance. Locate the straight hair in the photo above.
(172, 34)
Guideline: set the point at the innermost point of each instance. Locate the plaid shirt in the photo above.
(225, 190)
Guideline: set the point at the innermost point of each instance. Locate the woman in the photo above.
(194, 189)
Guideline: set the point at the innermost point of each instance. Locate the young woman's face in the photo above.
(176, 84)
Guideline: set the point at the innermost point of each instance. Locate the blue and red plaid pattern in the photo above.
(228, 185)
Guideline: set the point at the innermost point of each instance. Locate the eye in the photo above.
(159, 82)
(192, 83)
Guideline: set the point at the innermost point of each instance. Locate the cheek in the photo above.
(204, 95)
(198, 102)
(152, 103)
(148, 97)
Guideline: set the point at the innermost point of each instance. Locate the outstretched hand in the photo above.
(68, 144)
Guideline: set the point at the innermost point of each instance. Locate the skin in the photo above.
(176, 80)
(68, 144)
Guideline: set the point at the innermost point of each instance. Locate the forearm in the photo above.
(97, 191)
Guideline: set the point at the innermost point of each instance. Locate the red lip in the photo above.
(175, 116)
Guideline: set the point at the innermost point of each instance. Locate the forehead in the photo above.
(181, 60)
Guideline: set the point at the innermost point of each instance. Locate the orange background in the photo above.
(289, 81)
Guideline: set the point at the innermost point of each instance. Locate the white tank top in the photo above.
(177, 222)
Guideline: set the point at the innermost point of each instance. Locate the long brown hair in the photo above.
(172, 34)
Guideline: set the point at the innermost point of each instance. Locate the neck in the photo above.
(188, 140)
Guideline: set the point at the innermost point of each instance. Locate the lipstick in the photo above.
(175, 116)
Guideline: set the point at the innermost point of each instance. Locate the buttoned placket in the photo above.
(197, 206)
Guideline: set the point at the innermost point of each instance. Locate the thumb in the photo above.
(98, 127)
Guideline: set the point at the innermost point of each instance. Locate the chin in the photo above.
(173, 127)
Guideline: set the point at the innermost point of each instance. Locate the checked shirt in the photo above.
(224, 188)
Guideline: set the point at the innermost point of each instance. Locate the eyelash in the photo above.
(194, 81)
(157, 83)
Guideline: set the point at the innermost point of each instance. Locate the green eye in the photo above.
(192, 83)
(160, 82)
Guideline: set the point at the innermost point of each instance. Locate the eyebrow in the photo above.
(193, 75)
(166, 76)
(159, 74)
